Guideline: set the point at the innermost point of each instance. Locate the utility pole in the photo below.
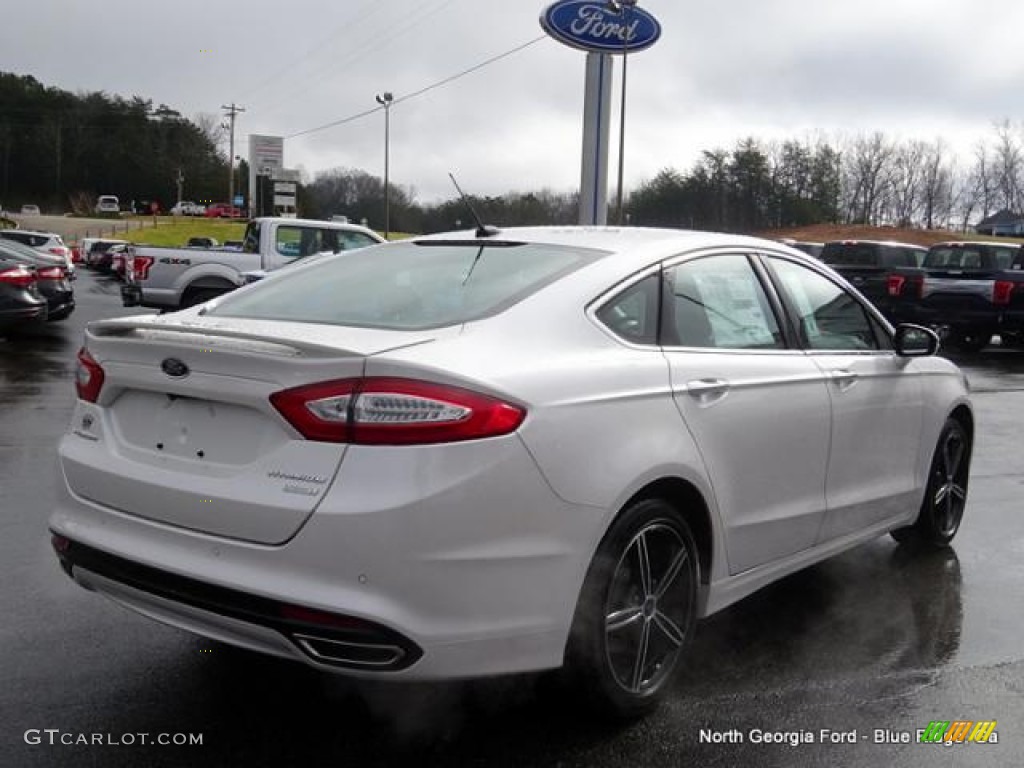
(385, 99)
(180, 181)
(231, 112)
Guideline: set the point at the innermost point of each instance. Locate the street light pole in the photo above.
(385, 99)
(232, 112)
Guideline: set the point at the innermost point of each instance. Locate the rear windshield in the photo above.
(22, 237)
(407, 286)
(851, 254)
(979, 257)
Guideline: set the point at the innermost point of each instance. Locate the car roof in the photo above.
(626, 249)
(993, 243)
(611, 239)
(855, 240)
(335, 225)
(35, 232)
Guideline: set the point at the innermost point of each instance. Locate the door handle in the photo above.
(844, 379)
(707, 390)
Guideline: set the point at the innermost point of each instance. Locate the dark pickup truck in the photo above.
(969, 291)
(867, 264)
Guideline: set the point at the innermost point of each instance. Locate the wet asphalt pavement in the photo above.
(875, 643)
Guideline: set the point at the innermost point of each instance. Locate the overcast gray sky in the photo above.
(721, 71)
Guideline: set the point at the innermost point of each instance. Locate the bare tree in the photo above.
(211, 126)
(936, 185)
(906, 176)
(1009, 163)
(867, 163)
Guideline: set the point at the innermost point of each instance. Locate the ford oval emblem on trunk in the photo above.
(172, 366)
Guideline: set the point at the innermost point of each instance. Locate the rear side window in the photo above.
(408, 285)
(900, 257)
(632, 315)
(28, 239)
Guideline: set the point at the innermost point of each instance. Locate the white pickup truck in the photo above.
(175, 278)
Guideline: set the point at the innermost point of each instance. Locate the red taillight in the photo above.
(393, 411)
(1001, 291)
(50, 273)
(140, 266)
(88, 376)
(18, 276)
(914, 286)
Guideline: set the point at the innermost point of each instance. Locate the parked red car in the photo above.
(223, 211)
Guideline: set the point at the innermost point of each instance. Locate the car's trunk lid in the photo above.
(184, 433)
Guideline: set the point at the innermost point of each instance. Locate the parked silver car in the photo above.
(482, 453)
(48, 243)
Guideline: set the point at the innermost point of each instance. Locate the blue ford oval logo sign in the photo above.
(174, 367)
(593, 26)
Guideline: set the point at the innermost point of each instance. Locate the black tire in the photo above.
(945, 495)
(636, 612)
(201, 295)
(971, 341)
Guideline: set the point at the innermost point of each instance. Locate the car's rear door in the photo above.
(758, 411)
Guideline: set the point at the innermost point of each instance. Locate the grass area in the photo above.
(176, 231)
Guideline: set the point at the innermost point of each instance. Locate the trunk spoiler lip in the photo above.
(125, 327)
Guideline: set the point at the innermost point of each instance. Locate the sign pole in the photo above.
(596, 120)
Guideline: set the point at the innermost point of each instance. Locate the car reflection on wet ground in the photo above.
(873, 645)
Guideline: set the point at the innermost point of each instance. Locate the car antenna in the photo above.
(482, 230)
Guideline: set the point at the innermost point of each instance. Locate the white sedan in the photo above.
(490, 452)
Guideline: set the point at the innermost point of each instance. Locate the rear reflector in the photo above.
(88, 377)
(394, 411)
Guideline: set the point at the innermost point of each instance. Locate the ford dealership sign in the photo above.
(593, 26)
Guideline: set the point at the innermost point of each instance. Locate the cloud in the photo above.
(721, 71)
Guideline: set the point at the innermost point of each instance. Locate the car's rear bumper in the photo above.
(976, 319)
(473, 574)
(20, 317)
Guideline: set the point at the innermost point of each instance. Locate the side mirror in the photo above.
(915, 341)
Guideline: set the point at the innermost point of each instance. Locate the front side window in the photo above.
(408, 285)
(827, 317)
(349, 241)
(718, 302)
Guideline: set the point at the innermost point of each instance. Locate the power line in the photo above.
(421, 91)
(348, 25)
(372, 44)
